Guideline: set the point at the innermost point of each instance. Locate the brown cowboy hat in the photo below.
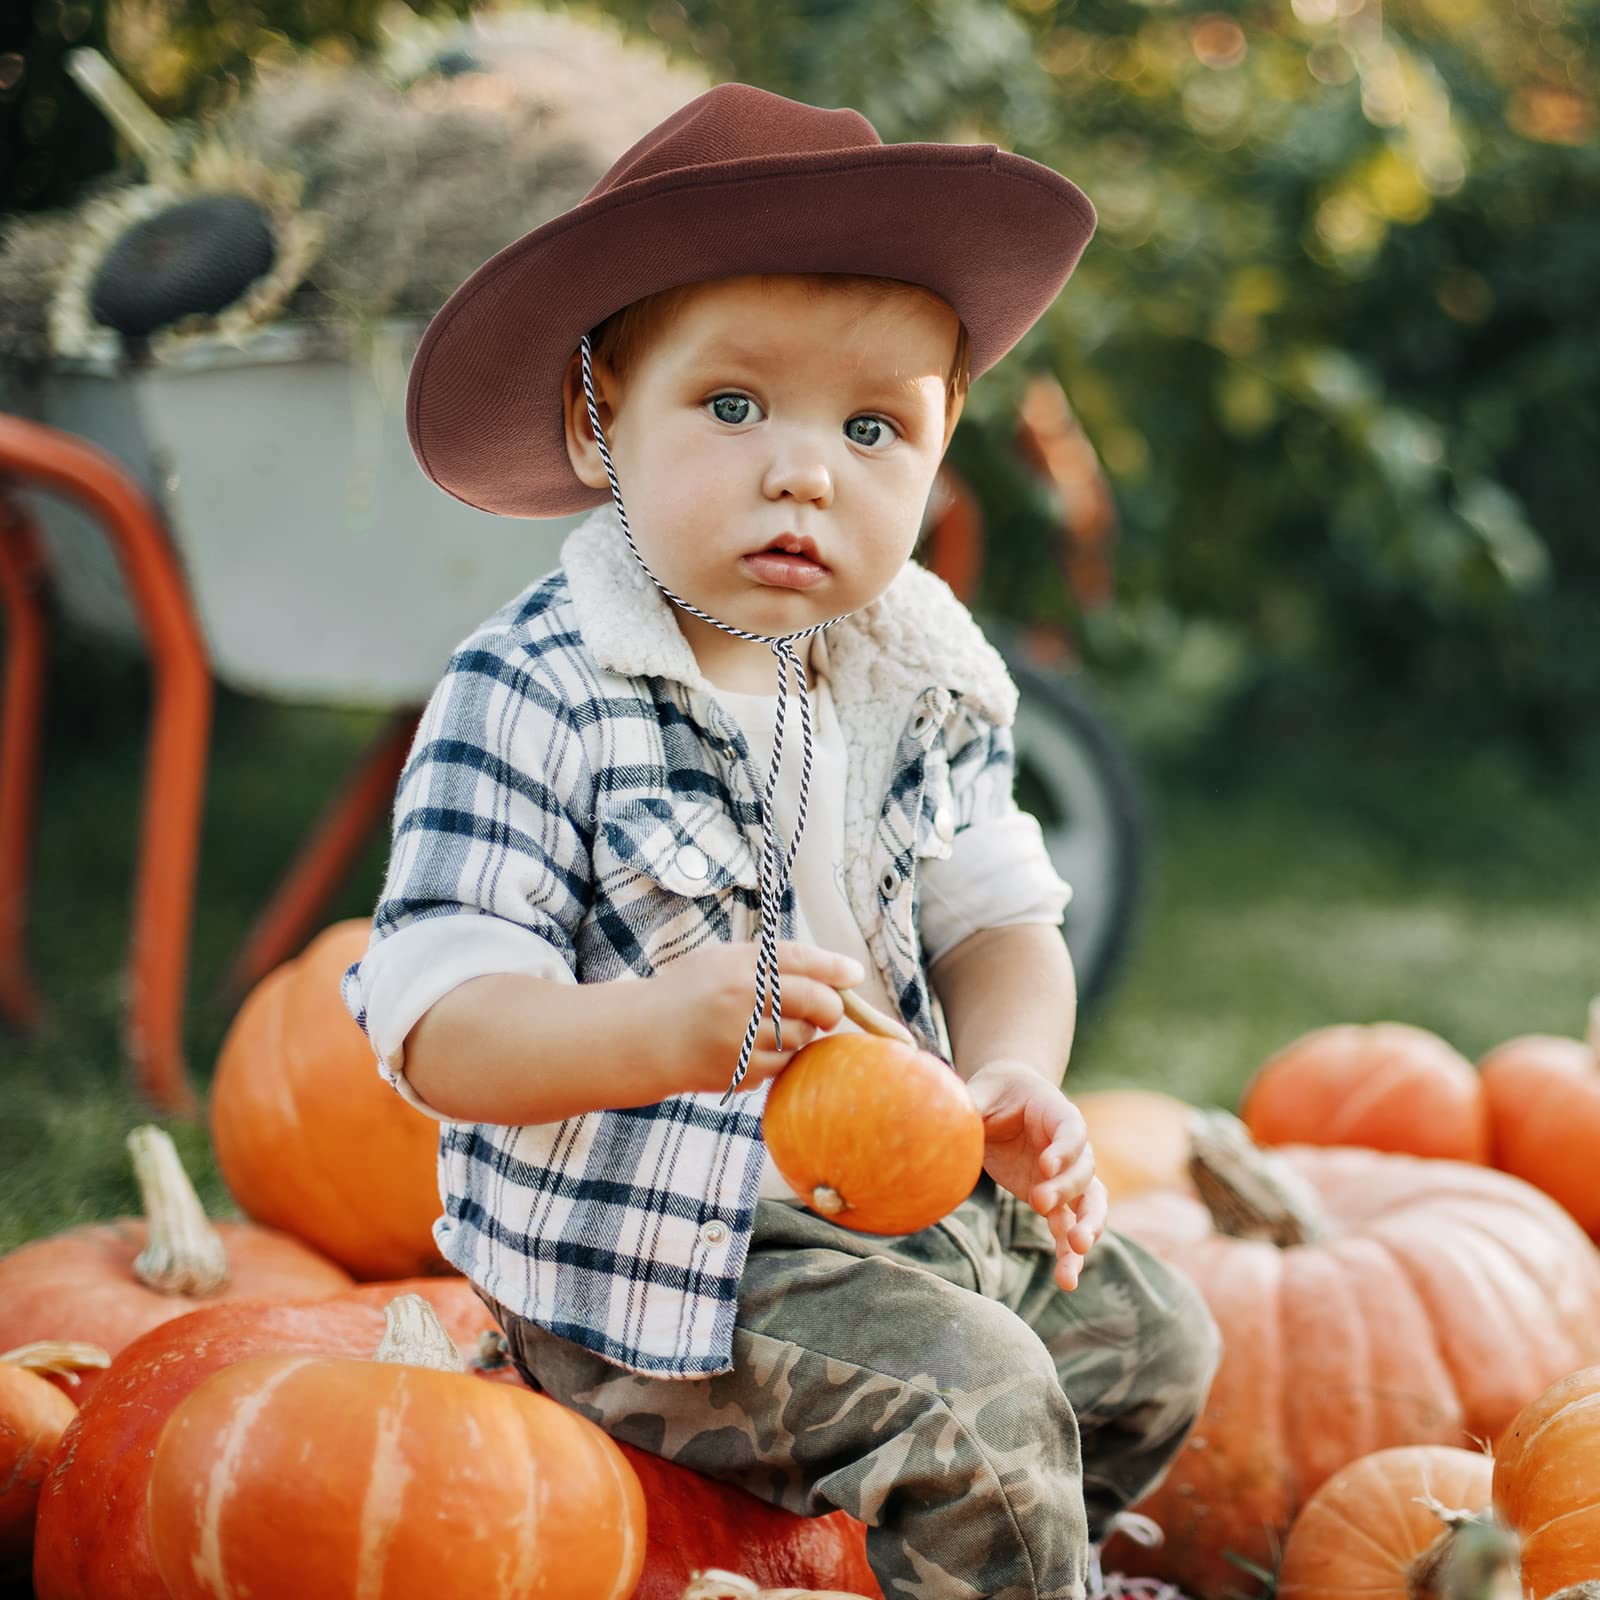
(737, 181)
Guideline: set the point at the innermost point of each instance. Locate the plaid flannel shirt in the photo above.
(568, 760)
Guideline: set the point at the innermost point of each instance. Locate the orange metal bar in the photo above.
(300, 900)
(175, 767)
(21, 580)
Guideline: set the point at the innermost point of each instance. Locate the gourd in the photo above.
(34, 1413)
(308, 1136)
(100, 1473)
(1543, 1095)
(1421, 1510)
(1383, 1085)
(1365, 1300)
(401, 1476)
(108, 1282)
(1547, 1483)
(872, 1132)
(1140, 1139)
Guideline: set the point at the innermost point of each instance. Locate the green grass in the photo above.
(1292, 887)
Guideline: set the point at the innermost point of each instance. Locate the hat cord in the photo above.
(772, 882)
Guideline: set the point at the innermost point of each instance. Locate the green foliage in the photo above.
(1335, 339)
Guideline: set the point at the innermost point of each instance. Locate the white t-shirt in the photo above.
(822, 913)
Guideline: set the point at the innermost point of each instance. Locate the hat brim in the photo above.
(994, 234)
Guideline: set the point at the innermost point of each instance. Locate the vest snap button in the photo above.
(692, 862)
(889, 882)
(713, 1232)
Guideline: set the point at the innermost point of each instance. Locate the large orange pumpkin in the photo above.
(1366, 1300)
(107, 1282)
(1547, 1483)
(34, 1414)
(1543, 1093)
(400, 1477)
(1384, 1085)
(874, 1133)
(1413, 1506)
(100, 1474)
(309, 1137)
(1140, 1139)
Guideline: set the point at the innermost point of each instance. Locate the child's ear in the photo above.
(582, 450)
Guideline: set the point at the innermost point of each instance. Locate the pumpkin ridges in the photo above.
(379, 1210)
(1369, 1195)
(1364, 1530)
(1382, 1086)
(287, 1158)
(1544, 1132)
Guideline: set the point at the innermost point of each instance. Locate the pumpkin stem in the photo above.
(1474, 1558)
(183, 1253)
(414, 1335)
(57, 1358)
(1251, 1193)
(871, 1020)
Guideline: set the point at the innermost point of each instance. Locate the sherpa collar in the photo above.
(915, 635)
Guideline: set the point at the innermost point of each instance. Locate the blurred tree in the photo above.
(184, 57)
(1336, 338)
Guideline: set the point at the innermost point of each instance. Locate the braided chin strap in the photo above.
(773, 881)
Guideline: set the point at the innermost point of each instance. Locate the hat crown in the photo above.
(735, 122)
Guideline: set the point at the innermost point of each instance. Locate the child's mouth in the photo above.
(783, 570)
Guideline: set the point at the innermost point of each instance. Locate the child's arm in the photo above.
(518, 1049)
(1009, 994)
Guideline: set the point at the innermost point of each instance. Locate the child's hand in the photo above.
(701, 1006)
(1036, 1144)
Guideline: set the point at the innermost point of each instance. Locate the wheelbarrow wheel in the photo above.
(1075, 774)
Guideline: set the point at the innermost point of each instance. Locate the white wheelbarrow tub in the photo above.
(323, 566)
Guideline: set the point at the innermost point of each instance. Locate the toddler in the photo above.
(745, 352)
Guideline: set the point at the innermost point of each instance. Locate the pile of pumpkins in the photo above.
(1397, 1246)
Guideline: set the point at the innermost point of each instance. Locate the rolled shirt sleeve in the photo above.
(999, 871)
(489, 869)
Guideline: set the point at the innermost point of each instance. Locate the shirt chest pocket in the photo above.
(673, 872)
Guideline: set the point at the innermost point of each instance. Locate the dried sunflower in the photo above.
(215, 252)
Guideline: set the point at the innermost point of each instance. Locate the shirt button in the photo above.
(944, 822)
(889, 882)
(713, 1232)
(692, 862)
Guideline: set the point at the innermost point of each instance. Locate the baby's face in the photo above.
(761, 412)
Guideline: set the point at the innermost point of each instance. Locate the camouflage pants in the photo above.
(940, 1387)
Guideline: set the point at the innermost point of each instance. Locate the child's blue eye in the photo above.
(736, 400)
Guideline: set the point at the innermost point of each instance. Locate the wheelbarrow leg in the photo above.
(38, 456)
(338, 838)
(21, 583)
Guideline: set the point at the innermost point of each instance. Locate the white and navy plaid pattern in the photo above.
(556, 795)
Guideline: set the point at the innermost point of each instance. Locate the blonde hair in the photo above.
(623, 337)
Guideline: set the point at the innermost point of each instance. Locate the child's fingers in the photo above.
(825, 966)
(1090, 1210)
(1068, 1185)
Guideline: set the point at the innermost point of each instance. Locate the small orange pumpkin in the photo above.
(872, 1132)
(109, 1282)
(34, 1413)
(1413, 1505)
(1547, 1483)
(1140, 1139)
(400, 1477)
(297, 1094)
(1543, 1093)
(1381, 1085)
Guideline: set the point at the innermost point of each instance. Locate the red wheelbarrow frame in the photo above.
(38, 457)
